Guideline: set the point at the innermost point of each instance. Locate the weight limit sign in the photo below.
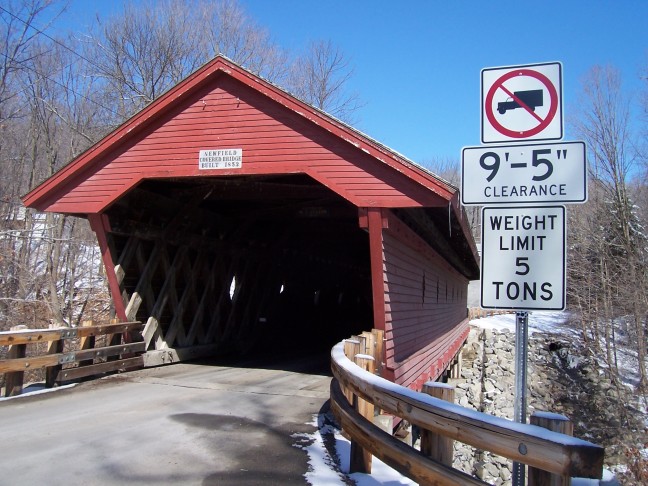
(523, 258)
(522, 103)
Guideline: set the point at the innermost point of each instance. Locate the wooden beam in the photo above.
(107, 351)
(14, 377)
(360, 457)
(555, 423)
(198, 315)
(178, 304)
(51, 372)
(49, 360)
(375, 227)
(8, 338)
(403, 458)
(21, 364)
(188, 298)
(127, 254)
(107, 367)
(86, 343)
(216, 325)
(144, 231)
(433, 445)
(152, 330)
(99, 223)
(147, 268)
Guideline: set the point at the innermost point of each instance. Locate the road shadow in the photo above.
(318, 363)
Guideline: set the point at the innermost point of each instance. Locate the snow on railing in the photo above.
(356, 390)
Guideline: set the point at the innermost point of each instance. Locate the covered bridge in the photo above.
(233, 217)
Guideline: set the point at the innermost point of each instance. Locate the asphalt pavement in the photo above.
(185, 424)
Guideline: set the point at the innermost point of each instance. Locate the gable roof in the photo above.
(46, 194)
(360, 169)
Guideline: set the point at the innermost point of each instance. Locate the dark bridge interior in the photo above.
(253, 264)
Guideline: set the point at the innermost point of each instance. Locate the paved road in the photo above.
(184, 424)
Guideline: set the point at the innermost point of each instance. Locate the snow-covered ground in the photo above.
(330, 466)
(539, 321)
(329, 471)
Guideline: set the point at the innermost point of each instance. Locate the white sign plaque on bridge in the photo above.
(526, 174)
(523, 258)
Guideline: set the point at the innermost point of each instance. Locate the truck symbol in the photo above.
(531, 98)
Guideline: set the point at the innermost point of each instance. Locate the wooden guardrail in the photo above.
(546, 451)
(61, 365)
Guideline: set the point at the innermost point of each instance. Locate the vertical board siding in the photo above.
(425, 306)
(274, 139)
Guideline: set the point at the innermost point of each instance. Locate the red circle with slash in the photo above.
(542, 122)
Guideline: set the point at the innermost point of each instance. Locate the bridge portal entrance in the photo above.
(241, 264)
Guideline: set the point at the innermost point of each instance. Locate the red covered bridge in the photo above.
(234, 218)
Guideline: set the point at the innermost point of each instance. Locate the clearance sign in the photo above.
(530, 173)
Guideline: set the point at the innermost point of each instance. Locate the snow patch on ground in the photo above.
(328, 470)
(37, 389)
(539, 321)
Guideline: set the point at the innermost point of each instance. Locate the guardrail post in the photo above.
(455, 370)
(556, 423)
(379, 349)
(51, 372)
(87, 343)
(360, 460)
(351, 348)
(14, 379)
(433, 445)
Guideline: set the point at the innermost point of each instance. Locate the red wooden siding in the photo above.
(274, 139)
(425, 307)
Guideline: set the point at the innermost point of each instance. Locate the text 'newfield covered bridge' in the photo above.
(234, 218)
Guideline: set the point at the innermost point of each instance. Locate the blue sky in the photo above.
(417, 63)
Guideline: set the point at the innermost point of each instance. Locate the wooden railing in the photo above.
(70, 352)
(356, 391)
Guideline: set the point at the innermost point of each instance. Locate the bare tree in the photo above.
(320, 77)
(48, 265)
(143, 52)
(228, 30)
(16, 36)
(152, 46)
(611, 282)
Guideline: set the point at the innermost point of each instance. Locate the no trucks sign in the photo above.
(522, 103)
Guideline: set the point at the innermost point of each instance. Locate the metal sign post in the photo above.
(520, 405)
(523, 233)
